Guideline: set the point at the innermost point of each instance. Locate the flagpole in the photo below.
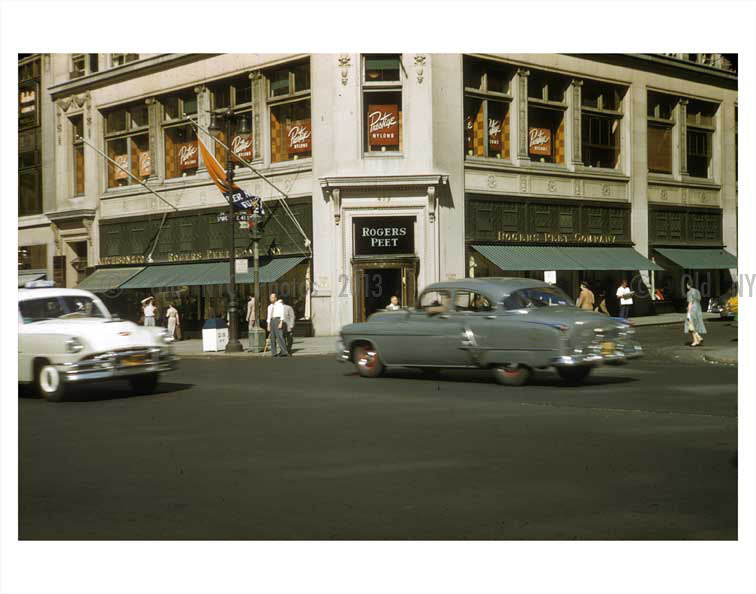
(308, 243)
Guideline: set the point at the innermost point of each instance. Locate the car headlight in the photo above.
(165, 338)
(74, 345)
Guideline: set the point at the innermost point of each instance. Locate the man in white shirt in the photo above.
(150, 311)
(275, 327)
(625, 296)
(394, 304)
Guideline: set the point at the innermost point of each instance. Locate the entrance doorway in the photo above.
(376, 281)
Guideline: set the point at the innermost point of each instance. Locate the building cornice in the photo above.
(359, 182)
(121, 73)
(66, 215)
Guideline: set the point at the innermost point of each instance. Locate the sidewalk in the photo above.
(315, 345)
(326, 345)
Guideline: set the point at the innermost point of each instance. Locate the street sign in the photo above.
(549, 276)
(241, 266)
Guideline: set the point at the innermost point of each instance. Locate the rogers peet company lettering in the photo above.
(383, 235)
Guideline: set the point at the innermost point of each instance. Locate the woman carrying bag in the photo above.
(694, 323)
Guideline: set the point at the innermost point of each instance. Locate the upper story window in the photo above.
(661, 123)
(179, 136)
(289, 110)
(601, 119)
(121, 59)
(32, 257)
(546, 109)
(127, 142)
(487, 109)
(83, 64)
(29, 135)
(382, 103)
(235, 95)
(699, 131)
(28, 94)
(77, 135)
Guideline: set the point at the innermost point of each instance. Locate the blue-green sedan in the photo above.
(508, 325)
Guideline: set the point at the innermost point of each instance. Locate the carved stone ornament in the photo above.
(64, 104)
(81, 99)
(88, 226)
(552, 186)
(523, 183)
(59, 126)
(578, 189)
(491, 181)
(432, 203)
(606, 190)
(344, 61)
(664, 195)
(336, 201)
(419, 66)
(704, 197)
(685, 196)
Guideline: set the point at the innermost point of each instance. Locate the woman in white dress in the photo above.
(173, 320)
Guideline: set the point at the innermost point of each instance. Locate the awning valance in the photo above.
(535, 257)
(28, 276)
(106, 279)
(206, 273)
(700, 259)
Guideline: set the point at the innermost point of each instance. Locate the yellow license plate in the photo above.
(134, 360)
(607, 348)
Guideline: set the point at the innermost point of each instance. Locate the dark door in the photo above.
(380, 285)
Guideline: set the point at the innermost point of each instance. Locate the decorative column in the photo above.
(682, 125)
(522, 114)
(256, 80)
(577, 128)
(203, 119)
(156, 156)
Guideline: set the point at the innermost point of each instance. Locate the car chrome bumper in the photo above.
(121, 364)
(345, 356)
(623, 352)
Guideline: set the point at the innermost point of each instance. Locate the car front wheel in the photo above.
(49, 383)
(512, 375)
(144, 384)
(367, 361)
(574, 375)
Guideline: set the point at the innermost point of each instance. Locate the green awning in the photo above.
(105, 279)
(700, 259)
(532, 257)
(28, 276)
(610, 258)
(206, 273)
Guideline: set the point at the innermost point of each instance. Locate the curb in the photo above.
(221, 355)
(720, 360)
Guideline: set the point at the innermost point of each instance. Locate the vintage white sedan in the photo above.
(67, 336)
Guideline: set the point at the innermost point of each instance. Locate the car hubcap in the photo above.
(49, 379)
(367, 358)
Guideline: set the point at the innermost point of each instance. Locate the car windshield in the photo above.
(61, 307)
(537, 297)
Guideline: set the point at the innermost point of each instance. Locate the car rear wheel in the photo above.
(512, 375)
(367, 361)
(48, 382)
(574, 375)
(144, 384)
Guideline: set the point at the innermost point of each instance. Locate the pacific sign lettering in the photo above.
(384, 235)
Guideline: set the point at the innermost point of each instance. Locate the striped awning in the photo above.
(206, 273)
(106, 279)
(536, 257)
(700, 259)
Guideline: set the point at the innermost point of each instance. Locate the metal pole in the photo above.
(258, 309)
(233, 346)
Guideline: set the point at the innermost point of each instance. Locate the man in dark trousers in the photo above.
(289, 321)
(275, 326)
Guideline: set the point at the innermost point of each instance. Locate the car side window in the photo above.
(515, 301)
(435, 301)
(471, 301)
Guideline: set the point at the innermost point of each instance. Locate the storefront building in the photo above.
(398, 170)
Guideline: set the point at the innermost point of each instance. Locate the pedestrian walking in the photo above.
(586, 299)
(625, 295)
(394, 304)
(275, 327)
(251, 319)
(290, 319)
(694, 323)
(601, 303)
(149, 310)
(172, 315)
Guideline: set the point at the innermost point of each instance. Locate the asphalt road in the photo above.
(303, 448)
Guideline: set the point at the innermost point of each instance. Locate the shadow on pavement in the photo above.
(111, 390)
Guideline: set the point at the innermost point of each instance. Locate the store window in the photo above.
(179, 136)
(661, 124)
(127, 142)
(487, 109)
(29, 192)
(546, 109)
(699, 133)
(382, 103)
(32, 257)
(83, 64)
(601, 119)
(235, 95)
(121, 59)
(289, 110)
(77, 136)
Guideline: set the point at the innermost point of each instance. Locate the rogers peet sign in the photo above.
(384, 235)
